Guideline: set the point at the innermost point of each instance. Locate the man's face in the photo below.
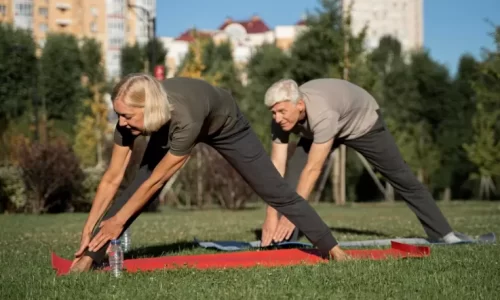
(287, 114)
(130, 117)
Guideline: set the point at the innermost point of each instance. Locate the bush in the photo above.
(51, 174)
(83, 200)
(217, 180)
(12, 190)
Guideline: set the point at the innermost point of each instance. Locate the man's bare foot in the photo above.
(82, 265)
(338, 254)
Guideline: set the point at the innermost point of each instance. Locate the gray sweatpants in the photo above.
(379, 148)
(240, 146)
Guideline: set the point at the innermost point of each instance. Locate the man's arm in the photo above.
(279, 154)
(316, 159)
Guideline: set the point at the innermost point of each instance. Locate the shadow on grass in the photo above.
(160, 250)
(341, 230)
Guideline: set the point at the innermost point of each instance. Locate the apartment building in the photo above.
(402, 19)
(114, 23)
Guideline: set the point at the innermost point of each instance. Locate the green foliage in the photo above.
(17, 72)
(60, 78)
(319, 51)
(219, 60)
(484, 150)
(12, 189)
(131, 59)
(92, 62)
(155, 46)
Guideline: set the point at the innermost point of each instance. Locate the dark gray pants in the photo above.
(240, 146)
(379, 148)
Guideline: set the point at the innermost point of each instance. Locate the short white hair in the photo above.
(282, 90)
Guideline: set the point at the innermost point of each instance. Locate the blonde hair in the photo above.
(282, 90)
(143, 90)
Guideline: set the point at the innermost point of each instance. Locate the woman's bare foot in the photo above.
(82, 265)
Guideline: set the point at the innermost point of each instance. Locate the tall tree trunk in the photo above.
(447, 194)
(199, 178)
(389, 192)
(336, 177)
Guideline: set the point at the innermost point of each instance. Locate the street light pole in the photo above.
(151, 23)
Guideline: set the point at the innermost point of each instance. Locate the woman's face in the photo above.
(129, 117)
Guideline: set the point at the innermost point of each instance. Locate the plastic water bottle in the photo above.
(115, 255)
(126, 240)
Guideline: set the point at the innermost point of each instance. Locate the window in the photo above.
(94, 11)
(24, 9)
(43, 11)
(93, 27)
(43, 27)
(3, 10)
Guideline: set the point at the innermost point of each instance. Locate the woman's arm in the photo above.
(112, 227)
(108, 186)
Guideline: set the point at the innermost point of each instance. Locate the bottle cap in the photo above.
(115, 242)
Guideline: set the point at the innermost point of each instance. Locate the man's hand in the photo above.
(109, 230)
(268, 229)
(284, 230)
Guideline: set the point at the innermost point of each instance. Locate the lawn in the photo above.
(451, 272)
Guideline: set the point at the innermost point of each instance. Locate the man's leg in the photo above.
(379, 148)
(243, 150)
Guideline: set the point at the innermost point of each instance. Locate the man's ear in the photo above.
(301, 105)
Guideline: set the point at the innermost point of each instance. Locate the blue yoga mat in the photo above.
(241, 245)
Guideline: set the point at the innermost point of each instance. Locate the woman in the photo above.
(177, 114)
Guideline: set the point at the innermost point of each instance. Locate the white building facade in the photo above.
(403, 19)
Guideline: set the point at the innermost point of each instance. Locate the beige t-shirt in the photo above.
(335, 108)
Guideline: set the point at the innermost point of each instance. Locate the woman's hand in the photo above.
(109, 230)
(84, 243)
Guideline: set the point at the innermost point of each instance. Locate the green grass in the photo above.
(451, 272)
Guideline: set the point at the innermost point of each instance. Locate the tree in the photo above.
(483, 151)
(319, 51)
(60, 80)
(155, 47)
(266, 66)
(17, 71)
(92, 121)
(131, 59)
(18, 88)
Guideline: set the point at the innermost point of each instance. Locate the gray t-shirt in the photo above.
(335, 108)
(199, 110)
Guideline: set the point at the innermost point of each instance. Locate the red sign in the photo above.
(160, 72)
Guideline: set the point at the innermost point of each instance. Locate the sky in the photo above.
(451, 27)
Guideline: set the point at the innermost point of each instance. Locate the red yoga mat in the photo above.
(244, 259)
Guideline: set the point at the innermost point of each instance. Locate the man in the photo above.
(326, 113)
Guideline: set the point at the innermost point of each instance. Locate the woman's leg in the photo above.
(152, 156)
(294, 168)
(243, 150)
